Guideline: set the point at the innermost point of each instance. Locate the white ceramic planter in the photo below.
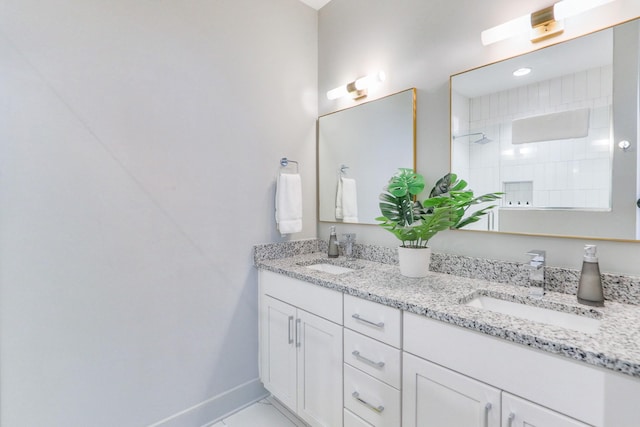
(414, 262)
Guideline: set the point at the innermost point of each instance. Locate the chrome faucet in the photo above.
(349, 240)
(536, 272)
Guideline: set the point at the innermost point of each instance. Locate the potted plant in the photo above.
(414, 223)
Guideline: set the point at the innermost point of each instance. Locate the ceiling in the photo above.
(316, 4)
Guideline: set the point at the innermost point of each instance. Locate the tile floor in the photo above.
(261, 414)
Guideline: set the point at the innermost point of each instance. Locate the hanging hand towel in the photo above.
(347, 200)
(289, 203)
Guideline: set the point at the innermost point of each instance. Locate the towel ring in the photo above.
(284, 162)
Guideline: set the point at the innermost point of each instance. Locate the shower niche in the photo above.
(518, 194)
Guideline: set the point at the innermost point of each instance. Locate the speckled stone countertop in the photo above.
(615, 345)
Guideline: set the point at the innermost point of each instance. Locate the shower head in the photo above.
(483, 139)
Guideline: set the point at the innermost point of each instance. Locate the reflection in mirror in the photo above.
(358, 149)
(541, 128)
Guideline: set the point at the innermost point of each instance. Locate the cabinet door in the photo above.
(517, 412)
(434, 397)
(278, 350)
(319, 371)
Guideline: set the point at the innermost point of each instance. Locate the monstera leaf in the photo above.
(398, 204)
(406, 183)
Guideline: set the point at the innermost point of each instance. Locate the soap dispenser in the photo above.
(590, 285)
(333, 243)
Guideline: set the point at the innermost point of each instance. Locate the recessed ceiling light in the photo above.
(522, 72)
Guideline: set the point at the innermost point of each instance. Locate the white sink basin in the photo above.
(537, 314)
(329, 268)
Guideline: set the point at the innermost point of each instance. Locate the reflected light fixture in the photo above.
(541, 24)
(522, 71)
(357, 88)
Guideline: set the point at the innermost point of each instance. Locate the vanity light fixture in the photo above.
(357, 88)
(540, 24)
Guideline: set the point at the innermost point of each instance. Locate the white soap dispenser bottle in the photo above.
(590, 285)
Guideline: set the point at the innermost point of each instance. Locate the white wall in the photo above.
(139, 142)
(420, 44)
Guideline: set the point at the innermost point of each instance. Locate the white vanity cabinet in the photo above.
(451, 373)
(301, 347)
(372, 370)
(341, 361)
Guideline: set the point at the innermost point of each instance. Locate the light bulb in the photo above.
(567, 8)
(370, 80)
(508, 29)
(338, 92)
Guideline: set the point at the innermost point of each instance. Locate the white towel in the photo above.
(289, 203)
(347, 200)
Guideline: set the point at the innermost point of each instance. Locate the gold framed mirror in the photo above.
(550, 139)
(358, 149)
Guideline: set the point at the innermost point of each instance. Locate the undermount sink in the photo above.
(329, 268)
(537, 314)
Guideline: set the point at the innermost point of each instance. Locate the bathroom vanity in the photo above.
(357, 344)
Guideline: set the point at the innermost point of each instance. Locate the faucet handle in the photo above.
(537, 254)
(537, 258)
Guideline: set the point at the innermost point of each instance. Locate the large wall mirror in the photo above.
(359, 148)
(545, 128)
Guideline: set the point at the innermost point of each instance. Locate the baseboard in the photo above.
(214, 409)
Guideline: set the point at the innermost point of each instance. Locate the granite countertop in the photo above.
(615, 345)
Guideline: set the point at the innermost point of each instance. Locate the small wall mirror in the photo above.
(544, 128)
(359, 148)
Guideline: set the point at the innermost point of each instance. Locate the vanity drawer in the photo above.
(373, 357)
(351, 420)
(372, 319)
(370, 399)
(315, 299)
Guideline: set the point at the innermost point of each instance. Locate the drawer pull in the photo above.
(290, 329)
(361, 358)
(487, 408)
(510, 419)
(377, 409)
(368, 322)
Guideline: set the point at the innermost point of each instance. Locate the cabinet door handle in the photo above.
(377, 409)
(368, 322)
(487, 408)
(366, 360)
(512, 416)
(298, 327)
(290, 329)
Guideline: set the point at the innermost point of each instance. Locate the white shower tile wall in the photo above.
(572, 173)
